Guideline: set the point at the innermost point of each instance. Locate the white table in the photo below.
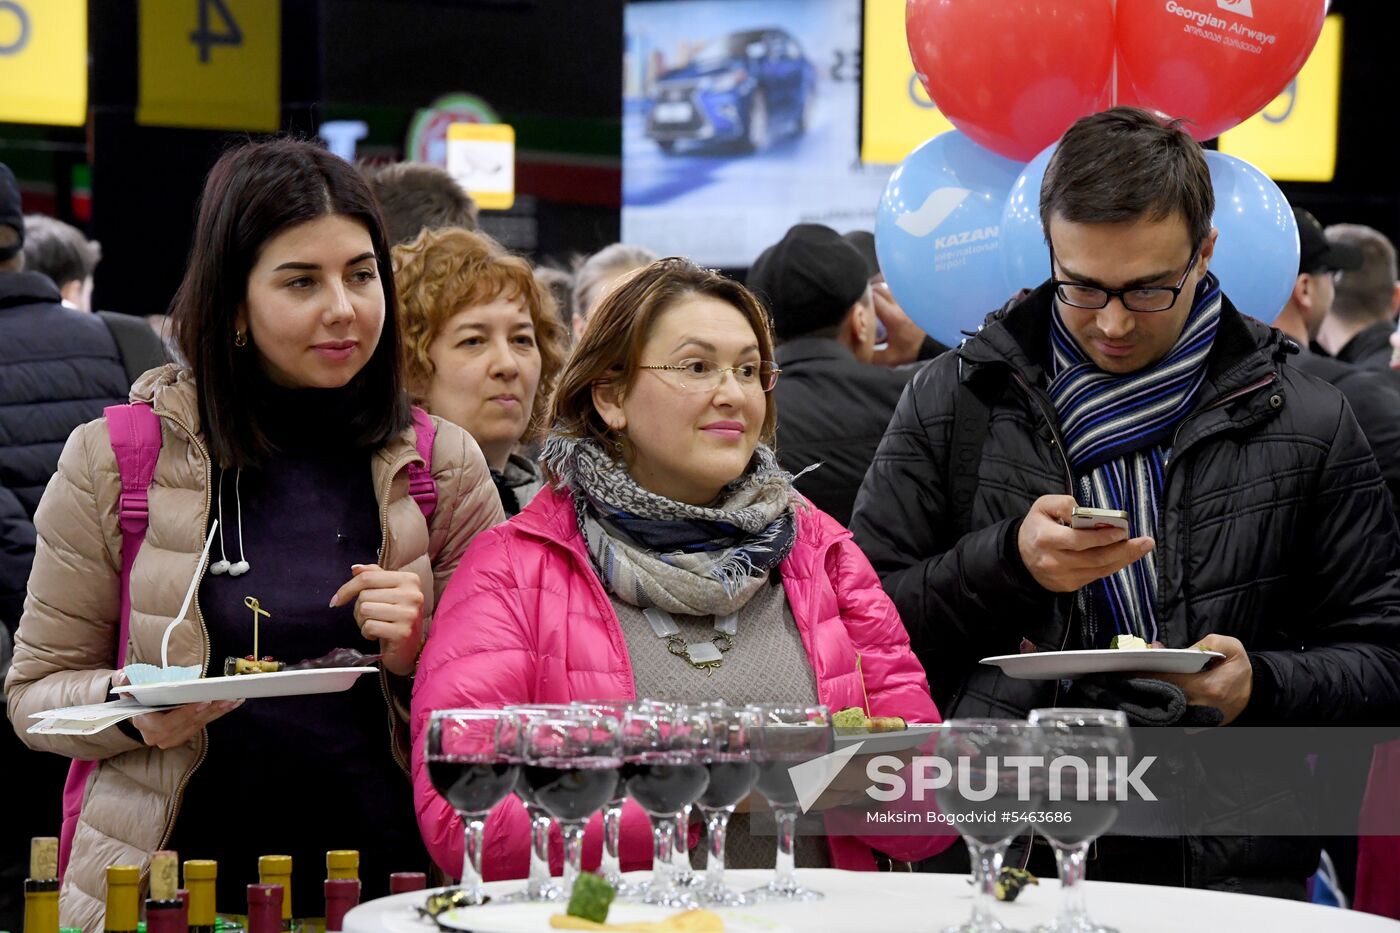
(925, 903)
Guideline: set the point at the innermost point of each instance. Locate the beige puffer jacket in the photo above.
(65, 648)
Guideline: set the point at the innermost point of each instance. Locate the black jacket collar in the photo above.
(1374, 339)
(27, 288)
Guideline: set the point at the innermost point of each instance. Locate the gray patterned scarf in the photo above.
(688, 559)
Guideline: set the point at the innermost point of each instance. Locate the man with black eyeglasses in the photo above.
(1259, 525)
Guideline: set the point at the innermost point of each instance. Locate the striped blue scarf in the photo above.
(1117, 431)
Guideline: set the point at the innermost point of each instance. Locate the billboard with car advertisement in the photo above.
(740, 119)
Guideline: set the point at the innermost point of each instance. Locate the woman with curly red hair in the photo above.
(482, 347)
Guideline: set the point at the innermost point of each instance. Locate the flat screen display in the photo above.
(740, 119)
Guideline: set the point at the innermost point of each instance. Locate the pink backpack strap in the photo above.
(135, 434)
(420, 475)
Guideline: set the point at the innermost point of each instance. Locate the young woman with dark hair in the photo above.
(291, 427)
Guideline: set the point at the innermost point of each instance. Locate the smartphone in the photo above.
(1083, 517)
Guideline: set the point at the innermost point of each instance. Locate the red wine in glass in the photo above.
(731, 779)
(572, 789)
(473, 786)
(665, 783)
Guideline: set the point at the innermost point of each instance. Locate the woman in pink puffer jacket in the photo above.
(659, 476)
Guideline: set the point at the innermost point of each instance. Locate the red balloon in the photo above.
(1013, 74)
(1215, 63)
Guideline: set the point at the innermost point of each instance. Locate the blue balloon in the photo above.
(937, 234)
(1256, 254)
(1025, 257)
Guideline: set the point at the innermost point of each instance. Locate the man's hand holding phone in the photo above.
(1062, 558)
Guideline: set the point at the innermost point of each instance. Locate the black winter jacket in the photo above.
(1375, 402)
(58, 369)
(1276, 529)
(832, 410)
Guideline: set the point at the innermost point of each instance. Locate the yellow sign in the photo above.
(481, 156)
(211, 64)
(896, 113)
(1295, 137)
(43, 62)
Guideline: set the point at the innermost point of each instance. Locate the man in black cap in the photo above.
(833, 402)
(1361, 321)
(60, 368)
(1374, 398)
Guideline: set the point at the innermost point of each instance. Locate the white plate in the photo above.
(883, 743)
(246, 686)
(1056, 665)
(534, 918)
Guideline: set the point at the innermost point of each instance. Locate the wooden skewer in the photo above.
(252, 603)
(862, 686)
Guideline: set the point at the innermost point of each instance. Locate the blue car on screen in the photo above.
(746, 88)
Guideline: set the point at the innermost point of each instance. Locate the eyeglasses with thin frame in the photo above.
(1144, 299)
(701, 375)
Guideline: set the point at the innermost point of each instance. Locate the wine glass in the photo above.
(1086, 787)
(985, 789)
(732, 775)
(572, 762)
(665, 748)
(473, 759)
(539, 885)
(682, 876)
(787, 736)
(611, 865)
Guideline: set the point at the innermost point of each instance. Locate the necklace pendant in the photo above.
(704, 653)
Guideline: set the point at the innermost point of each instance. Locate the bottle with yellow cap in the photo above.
(41, 887)
(343, 865)
(165, 911)
(123, 899)
(201, 876)
(277, 869)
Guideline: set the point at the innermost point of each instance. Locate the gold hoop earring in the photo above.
(240, 338)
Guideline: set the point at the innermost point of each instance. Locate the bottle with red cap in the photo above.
(264, 908)
(404, 882)
(342, 886)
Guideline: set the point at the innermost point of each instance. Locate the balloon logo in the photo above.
(938, 237)
(1213, 63)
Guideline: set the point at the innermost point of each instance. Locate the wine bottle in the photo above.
(123, 899)
(402, 882)
(165, 912)
(265, 903)
(201, 877)
(277, 869)
(41, 887)
(342, 894)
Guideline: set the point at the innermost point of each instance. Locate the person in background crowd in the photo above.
(1359, 326)
(560, 285)
(58, 368)
(595, 274)
(901, 341)
(414, 196)
(1372, 396)
(483, 344)
(61, 252)
(834, 403)
(664, 497)
(292, 430)
(69, 259)
(1260, 524)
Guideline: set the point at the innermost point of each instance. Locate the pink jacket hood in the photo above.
(526, 620)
